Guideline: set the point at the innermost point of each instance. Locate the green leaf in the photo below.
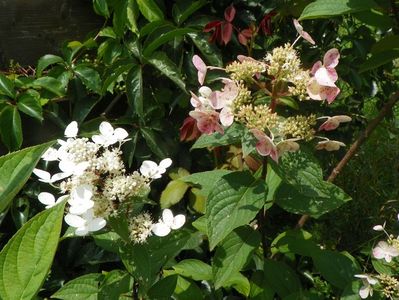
(10, 127)
(134, 89)
(209, 51)
(273, 182)
(164, 38)
(164, 288)
(232, 135)
(84, 287)
(205, 179)
(375, 18)
(90, 77)
(295, 241)
(132, 15)
(173, 193)
(303, 190)
(46, 61)
(194, 269)
(115, 284)
(240, 283)
(260, 290)
(390, 42)
(235, 200)
(281, 278)
(378, 59)
(187, 290)
(337, 268)
(51, 84)
(101, 8)
(150, 10)
(27, 257)
(6, 86)
(29, 103)
(15, 170)
(115, 71)
(167, 67)
(326, 8)
(119, 19)
(233, 253)
(351, 292)
(180, 14)
(152, 139)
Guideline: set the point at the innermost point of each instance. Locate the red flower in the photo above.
(189, 130)
(222, 30)
(245, 35)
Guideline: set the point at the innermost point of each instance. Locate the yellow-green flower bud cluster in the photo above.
(122, 187)
(244, 70)
(390, 286)
(298, 127)
(259, 116)
(300, 81)
(243, 97)
(283, 63)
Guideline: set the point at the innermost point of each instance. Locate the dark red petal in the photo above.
(227, 32)
(242, 39)
(229, 13)
(211, 25)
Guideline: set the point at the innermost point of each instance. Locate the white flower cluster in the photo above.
(93, 178)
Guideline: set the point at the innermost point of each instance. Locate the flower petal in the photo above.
(46, 198)
(331, 58)
(96, 224)
(120, 134)
(106, 129)
(165, 163)
(178, 221)
(167, 217)
(71, 130)
(43, 175)
(201, 68)
(160, 229)
(148, 168)
(74, 220)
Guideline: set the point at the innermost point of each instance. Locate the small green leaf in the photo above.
(101, 8)
(132, 15)
(295, 241)
(115, 71)
(90, 77)
(46, 61)
(27, 257)
(390, 42)
(6, 86)
(115, 284)
(375, 18)
(134, 89)
(83, 287)
(209, 51)
(164, 38)
(15, 169)
(11, 128)
(273, 182)
(240, 283)
(152, 140)
(29, 103)
(150, 10)
(194, 269)
(232, 135)
(187, 290)
(232, 254)
(173, 193)
(167, 67)
(107, 32)
(281, 278)
(51, 84)
(235, 200)
(326, 8)
(379, 59)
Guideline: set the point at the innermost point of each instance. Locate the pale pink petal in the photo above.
(195, 101)
(331, 58)
(317, 65)
(313, 89)
(201, 67)
(329, 93)
(217, 100)
(303, 33)
(330, 124)
(364, 291)
(205, 91)
(323, 77)
(226, 117)
(207, 122)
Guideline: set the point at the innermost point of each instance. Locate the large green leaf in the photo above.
(240, 283)
(6, 86)
(164, 288)
(15, 169)
(235, 200)
(167, 67)
(11, 127)
(150, 10)
(183, 10)
(232, 135)
(46, 61)
(194, 269)
(303, 190)
(134, 89)
(205, 179)
(163, 38)
(281, 278)
(101, 7)
(29, 103)
(338, 268)
(115, 284)
(84, 287)
(209, 51)
(232, 254)
(326, 8)
(90, 77)
(51, 84)
(173, 193)
(152, 139)
(187, 290)
(378, 59)
(27, 257)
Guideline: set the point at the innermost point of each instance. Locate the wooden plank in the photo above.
(32, 28)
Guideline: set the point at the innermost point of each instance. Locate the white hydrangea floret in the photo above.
(71, 131)
(46, 177)
(367, 288)
(85, 223)
(151, 170)
(51, 154)
(168, 222)
(80, 201)
(49, 199)
(108, 135)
